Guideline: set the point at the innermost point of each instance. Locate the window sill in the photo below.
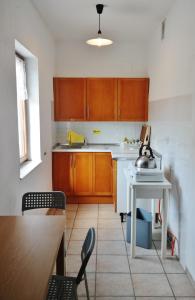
(28, 167)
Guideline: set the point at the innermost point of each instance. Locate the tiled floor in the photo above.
(112, 274)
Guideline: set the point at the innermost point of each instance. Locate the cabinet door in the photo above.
(62, 172)
(82, 173)
(102, 174)
(69, 99)
(101, 99)
(133, 99)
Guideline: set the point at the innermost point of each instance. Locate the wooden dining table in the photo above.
(29, 248)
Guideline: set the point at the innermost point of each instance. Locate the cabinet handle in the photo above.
(74, 162)
(87, 111)
(111, 163)
(71, 160)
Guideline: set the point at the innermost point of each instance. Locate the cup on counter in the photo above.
(124, 146)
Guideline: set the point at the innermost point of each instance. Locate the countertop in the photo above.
(117, 152)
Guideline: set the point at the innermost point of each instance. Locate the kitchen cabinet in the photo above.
(62, 172)
(85, 177)
(101, 99)
(82, 173)
(133, 99)
(70, 99)
(102, 174)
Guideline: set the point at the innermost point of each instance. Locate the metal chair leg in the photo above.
(86, 286)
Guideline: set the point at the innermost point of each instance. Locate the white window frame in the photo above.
(33, 159)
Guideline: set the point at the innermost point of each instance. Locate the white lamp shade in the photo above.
(99, 42)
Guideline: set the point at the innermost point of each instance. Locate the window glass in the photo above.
(22, 97)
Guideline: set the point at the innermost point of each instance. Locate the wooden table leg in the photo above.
(133, 222)
(164, 223)
(60, 270)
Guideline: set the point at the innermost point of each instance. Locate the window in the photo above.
(27, 83)
(22, 99)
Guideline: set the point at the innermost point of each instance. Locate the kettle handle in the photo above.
(147, 147)
(151, 152)
(140, 150)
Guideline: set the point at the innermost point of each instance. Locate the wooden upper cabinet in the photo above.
(102, 174)
(62, 172)
(70, 99)
(101, 99)
(133, 99)
(82, 173)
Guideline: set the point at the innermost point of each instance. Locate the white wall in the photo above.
(172, 111)
(19, 20)
(80, 59)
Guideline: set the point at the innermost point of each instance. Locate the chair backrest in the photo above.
(33, 200)
(86, 252)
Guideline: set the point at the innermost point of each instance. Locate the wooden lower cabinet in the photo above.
(84, 177)
(62, 174)
(82, 174)
(102, 174)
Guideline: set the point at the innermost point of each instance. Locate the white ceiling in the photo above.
(122, 20)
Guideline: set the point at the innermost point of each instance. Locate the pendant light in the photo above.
(99, 41)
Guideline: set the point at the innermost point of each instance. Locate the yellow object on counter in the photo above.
(96, 131)
(75, 138)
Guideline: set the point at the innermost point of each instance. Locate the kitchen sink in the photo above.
(68, 146)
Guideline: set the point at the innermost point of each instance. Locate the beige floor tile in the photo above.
(109, 223)
(155, 285)
(146, 264)
(85, 298)
(156, 234)
(88, 207)
(73, 263)
(81, 291)
(68, 234)
(142, 251)
(112, 234)
(71, 214)
(69, 223)
(172, 265)
(181, 285)
(158, 248)
(72, 207)
(115, 298)
(111, 247)
(112, 263)
(106, 207)
(83, 214)
(82, 223)
(118, 285)
(155, 298)
(78, 234)
(108, 215)
(185, 298)
(74, 247)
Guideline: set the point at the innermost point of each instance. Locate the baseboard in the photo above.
(90, 200)
(190, 277)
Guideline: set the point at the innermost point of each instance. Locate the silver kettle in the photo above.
(146, 158)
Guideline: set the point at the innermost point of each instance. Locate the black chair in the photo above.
(34, 200)
(61, 287)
